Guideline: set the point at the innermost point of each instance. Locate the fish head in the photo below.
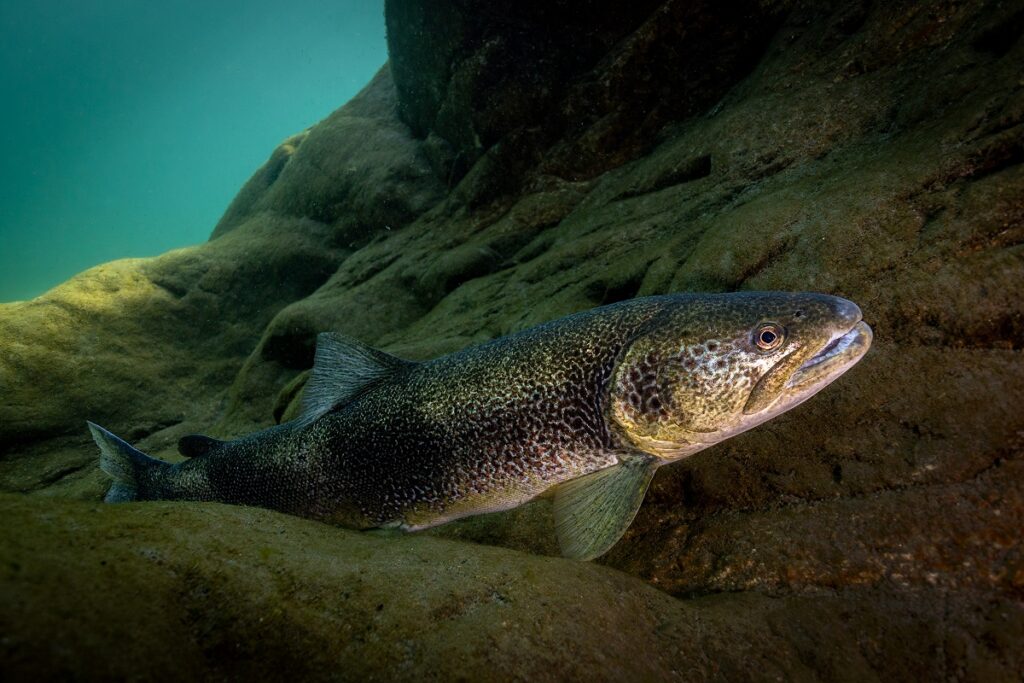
(714, 365)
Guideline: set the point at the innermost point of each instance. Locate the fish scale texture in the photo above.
(485, 428)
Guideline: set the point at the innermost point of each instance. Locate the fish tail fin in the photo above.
(123, 462)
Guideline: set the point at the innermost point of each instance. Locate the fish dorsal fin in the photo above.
(592, 512)
(343, 368)
(197, 445)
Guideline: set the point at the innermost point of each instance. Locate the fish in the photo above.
(582, 410)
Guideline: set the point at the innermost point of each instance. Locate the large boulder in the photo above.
(209, 592)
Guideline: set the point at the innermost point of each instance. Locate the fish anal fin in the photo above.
(343, 368)
(197, 445)
(593, 511)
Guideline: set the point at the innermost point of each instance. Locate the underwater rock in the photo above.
(576, 88)
(359, 170)
(875, 152)
(216, 592)
(142, 341)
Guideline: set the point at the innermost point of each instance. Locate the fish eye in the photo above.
(769, 336)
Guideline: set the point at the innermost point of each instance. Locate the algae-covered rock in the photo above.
(518, 162)
(358, 169)
(139, 344)
(160, 591)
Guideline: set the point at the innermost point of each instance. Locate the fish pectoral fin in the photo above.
(196, 445)
(342, 369)
(592, 512)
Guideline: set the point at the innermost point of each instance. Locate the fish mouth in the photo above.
(837, 356)
(788, 384)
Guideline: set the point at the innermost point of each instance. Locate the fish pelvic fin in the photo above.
(343, 368)
(123, 462)
(592, 512)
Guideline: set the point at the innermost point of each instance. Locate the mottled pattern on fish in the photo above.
(588, 405)
(503, 421)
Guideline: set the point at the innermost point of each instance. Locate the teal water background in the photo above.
(129, 125)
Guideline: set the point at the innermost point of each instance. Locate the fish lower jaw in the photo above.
(835, 358)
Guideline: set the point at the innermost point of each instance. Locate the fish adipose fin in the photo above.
(123, 462)
(197, 445)
(342, 369)
(592, 512)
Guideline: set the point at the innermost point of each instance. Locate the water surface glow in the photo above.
(128, 125)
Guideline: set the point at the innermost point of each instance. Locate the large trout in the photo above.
(586, 407)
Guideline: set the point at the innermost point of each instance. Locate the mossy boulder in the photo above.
(160, 591)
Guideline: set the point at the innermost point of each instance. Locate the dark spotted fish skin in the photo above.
(613, 393)
(482, 429)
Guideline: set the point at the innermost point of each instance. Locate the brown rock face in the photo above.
(520, 161)
(212, 592)
(570, 89)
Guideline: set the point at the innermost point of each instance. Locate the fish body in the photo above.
(587, 406)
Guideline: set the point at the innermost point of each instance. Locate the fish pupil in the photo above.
(768, 337)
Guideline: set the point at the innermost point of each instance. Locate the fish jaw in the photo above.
(830, 362)
(838, 356)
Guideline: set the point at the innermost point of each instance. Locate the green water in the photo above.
(128, 126)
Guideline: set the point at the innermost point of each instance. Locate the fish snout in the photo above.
(846, 312)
